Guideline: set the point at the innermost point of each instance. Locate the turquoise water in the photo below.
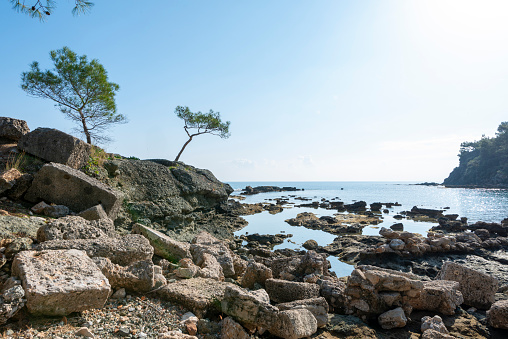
(475, 204)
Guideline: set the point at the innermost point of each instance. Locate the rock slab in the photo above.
(56, 146)
(57, 283)
(13, 129)
(61, 184)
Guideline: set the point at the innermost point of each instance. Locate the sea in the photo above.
(489, 205)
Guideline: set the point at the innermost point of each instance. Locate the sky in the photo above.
(315, 90)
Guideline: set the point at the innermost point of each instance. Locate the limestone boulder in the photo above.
(294, 324)
(74, 227)
(57, 283)
(163, 246)
(13, 299)
(392, 319)
(317, 306)
(497, 315)
(256, 273)
(60, 184)
(137, 277)
(93, 213)
(281, 291)
(199, 295)
(230, 329)
(439, 296)
(122, 251)
(334, 291)
(56, 146)
(8, 179)
(433, 323)
(247, 308)
(12, 129)
(477, 288)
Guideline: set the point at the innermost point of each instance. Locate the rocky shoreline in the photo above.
(103, 246)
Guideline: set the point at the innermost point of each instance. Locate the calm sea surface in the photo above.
(475, 204)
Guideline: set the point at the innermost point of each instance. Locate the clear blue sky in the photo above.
(314, 90)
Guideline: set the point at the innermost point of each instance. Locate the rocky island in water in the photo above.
(99, 245)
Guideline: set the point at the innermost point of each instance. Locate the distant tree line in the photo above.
(483, 162)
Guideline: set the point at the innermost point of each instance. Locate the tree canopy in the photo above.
(43, 8)
(80, 89)
(201, 123)
(483, 162)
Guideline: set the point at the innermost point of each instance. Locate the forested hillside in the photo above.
(484, 162)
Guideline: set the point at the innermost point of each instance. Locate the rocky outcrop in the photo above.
(56, 146)
(265, 189)
(339, 224)
(57, 283)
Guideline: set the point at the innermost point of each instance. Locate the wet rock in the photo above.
(497, 315)
(439, 295)
(13, 129)
(256, 273)
(397, 227)
(60, 282)
(74, 227)
(477, 288)
(392, 319)
(198, 295)
(310, 244)
(122, 251)
(61, 184)
(56, 146)
(317, 306)
(163, 245)
(282, 291)
(230, 329)
(293, 324)
(137, 277)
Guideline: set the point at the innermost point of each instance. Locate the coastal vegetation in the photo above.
(484, 162)
(201, 123)
(80, 89)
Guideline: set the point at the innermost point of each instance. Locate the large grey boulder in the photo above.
(13, 129)
(317, 306)
(137, 277)
(477, 288)
(122, 251)
(441, 296)
(163, 245)
(74, 227)
(247, 308)
(56, 146)
(294, 324)
(60, 184)
(199, 295)
(282, 291)
(57, 283)
(497, 315)
(392, 319)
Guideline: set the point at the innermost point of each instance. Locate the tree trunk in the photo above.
(85, 129)
(184, 145)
